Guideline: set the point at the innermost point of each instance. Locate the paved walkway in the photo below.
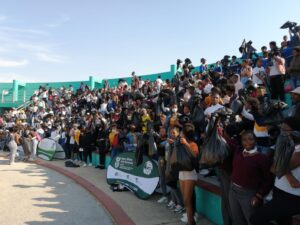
(56, 199)
(33, 195)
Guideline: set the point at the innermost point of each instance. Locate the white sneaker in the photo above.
(162, 200)
(171, 205)
(178, 209)
(184, 218)
(204, 172)
(84, 165)
(196, 216)
(90, 164)
(31, 159)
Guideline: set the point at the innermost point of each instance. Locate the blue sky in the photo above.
(60, 40)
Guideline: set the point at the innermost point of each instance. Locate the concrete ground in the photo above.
(34, 195)
(142, 212)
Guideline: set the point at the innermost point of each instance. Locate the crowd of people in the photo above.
(154, 118)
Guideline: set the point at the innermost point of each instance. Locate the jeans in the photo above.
(114, 152)
(87, 154)
(12, 145)
(34, 148)
(162, 175)
(176, 196)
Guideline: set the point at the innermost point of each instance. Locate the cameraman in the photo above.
(276, 71)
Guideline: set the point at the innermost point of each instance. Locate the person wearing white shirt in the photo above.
(159, 81)
(215, 99)
(258, 73)
(276, 72)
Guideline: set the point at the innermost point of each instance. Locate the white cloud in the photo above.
(52, 58)
(13, 63)
(23, 30)
(59, 22)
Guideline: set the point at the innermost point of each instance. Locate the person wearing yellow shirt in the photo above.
(77, 150)
(145, 119)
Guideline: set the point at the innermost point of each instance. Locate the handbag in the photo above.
(181, 158)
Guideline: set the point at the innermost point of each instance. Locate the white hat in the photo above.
(296, 91)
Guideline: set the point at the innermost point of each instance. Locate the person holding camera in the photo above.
(259, 73)
(276, 72)
(246, 71)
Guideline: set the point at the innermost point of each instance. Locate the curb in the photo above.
(116, 212)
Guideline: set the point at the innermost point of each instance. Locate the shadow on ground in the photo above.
(62, 202)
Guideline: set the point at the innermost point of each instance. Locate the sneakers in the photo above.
(84, 165)
(178, 209)
(185, 220)
(90, 164)
(171, 205)
(162, 200)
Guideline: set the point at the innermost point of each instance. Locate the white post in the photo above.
(24, 99)
(13, 97)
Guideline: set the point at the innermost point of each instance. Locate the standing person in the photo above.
(85, 141)
(77, 148)
(102, 144)
(276, 70)
(161, 140)
(71, 145)
(259, 73)
(187, 179)
(26, 144)
(286, 194)
(34, 143)
(12, 141)
(246, 71)
(176, 203)
(246, 194)
(114, 140)
(203, 67)
(294, 69)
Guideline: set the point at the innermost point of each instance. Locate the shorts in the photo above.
(188, 175)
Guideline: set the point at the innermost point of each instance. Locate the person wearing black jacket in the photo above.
(85, 142)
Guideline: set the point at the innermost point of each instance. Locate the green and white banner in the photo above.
(142, 179)
(46, 149)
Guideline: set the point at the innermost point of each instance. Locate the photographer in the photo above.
(246, 71)
(259, 73)
(234, 65)
(276, 72)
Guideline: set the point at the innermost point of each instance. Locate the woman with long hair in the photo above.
(188, 179)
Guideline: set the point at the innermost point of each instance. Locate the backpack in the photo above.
(70, 164)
